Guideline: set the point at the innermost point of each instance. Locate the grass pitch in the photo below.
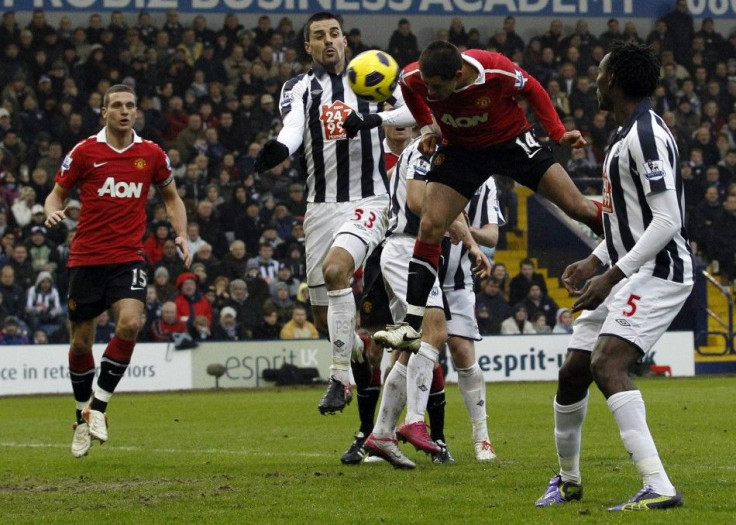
(267, 456)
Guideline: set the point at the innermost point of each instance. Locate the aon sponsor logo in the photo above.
(122, 189)
(464, 122)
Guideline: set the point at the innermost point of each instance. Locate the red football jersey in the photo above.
(485, 112)
(113, 186)
(390, 157)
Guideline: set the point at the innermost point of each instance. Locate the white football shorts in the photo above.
(397, 252)
(638, 309)
(462, 322)
(357, 226)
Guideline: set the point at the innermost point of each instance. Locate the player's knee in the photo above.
(336, 275)
(128, 327)
(431, 230)
(80, 345)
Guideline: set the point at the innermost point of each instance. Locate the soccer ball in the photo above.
(372, 75)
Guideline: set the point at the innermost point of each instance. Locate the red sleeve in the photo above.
(414, 99)
(544, 108)
(71, 168)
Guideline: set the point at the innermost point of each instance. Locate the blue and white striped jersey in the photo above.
(643, 160)
(314, 106)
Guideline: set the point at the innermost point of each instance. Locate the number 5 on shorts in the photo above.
(633, 298)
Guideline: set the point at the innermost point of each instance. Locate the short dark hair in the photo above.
(317, 17)
(440, 59)
(117, 88)
(635, 68)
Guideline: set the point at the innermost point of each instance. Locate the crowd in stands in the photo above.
(208, 96)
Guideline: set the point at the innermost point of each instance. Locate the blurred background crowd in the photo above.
(208, 95)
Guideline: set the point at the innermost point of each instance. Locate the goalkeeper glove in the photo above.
(357, 121)
(272, 154)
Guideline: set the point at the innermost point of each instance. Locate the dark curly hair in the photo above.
(635, 69)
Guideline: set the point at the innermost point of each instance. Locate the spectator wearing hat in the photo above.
(43, 305)
(190, 302)
(227, 328)
(38, 216)
(41, 251)
(284, 276)
(248, 309)
(11, 333)
(282, 302)
(167, 324)
(257, 286)
(24, 206)
(299, 327)
(165, 289)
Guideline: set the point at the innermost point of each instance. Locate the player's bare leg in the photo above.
(557, 186)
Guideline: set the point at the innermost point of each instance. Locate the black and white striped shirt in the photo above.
(643, 161)
(314, 106)
(412, 165)
(482, 209)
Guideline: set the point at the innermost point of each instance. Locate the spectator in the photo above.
(190, 302)
(41, 251)
(170, 260)
(248, 310)
(491, 309)
(456, 33)
(202, 330)
(43, 304)
(539, 323)
(298, 327)
(518, 323)
(270, 328)
(205, 256)
(535, 301)
(703, 223)
(104, 328)
(227, 328)
(11, 334)
(25, 206)
(286, 277)
(613, 34)
(24, 272)
(153, 246)
(355, 43)
(680, 27)
(564, 321)
(519, 286)
(167, 324)
(403, 45)
(235, 262)
(725, 240)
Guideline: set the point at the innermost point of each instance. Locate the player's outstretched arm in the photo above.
(177, 214)
(54, 206)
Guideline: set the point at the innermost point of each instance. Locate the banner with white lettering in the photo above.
(539, 8)
(539, 357)
(44, 369)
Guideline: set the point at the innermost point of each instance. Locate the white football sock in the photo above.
(392, 402)
(419, 373)
(568, 435)
(472, 387)
(628, 409)
(341, 324)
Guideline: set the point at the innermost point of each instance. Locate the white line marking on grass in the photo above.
(175, 450)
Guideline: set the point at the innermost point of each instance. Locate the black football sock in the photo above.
(436, 412)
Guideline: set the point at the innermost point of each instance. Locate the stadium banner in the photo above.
(538, 8)
(44, 369)
(539, 357)
(245, 362)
